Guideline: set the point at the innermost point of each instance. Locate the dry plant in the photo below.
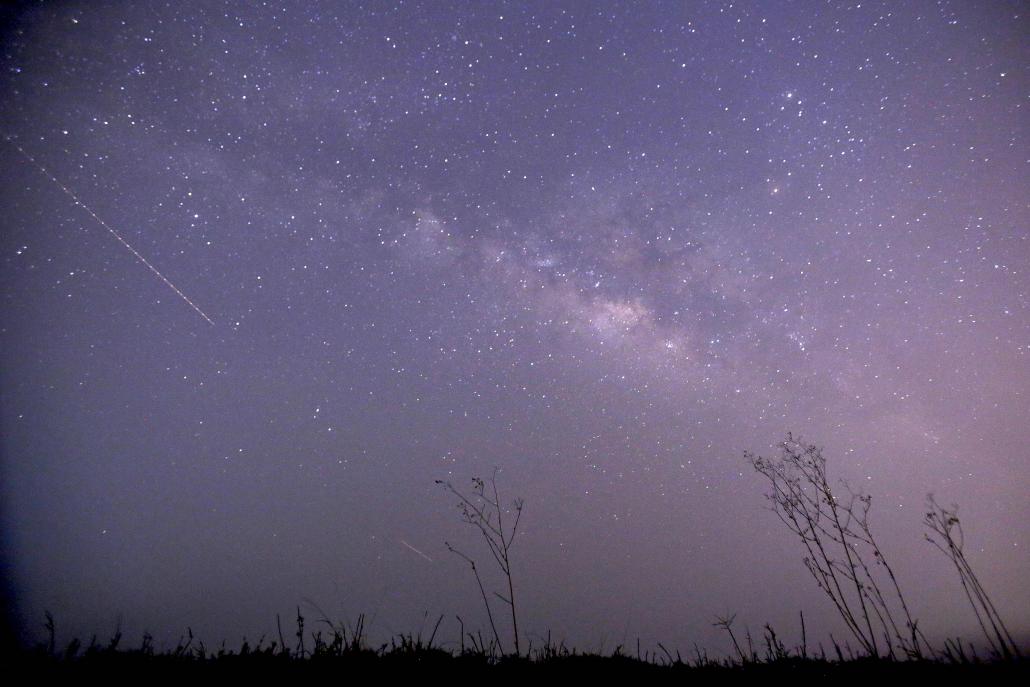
(842, 554)
(482, 509)
(946, 534)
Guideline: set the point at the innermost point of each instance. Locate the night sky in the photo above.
(604, 248)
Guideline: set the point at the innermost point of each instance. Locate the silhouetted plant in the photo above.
(51, 633)
(483, 510)
(843, 556)
(300, 634)
(726, 623)
(946, 534)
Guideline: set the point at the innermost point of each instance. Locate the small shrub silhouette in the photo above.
(946, 534)
(842, 554)
(482, 509)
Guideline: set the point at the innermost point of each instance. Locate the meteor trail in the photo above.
(416, 551)
(105, 225)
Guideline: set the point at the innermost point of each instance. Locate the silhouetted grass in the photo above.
(336, 650)
(842, 554)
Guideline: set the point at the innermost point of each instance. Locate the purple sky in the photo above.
(603, 247)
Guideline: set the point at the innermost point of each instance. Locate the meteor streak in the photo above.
(105, 225)
(416, 551)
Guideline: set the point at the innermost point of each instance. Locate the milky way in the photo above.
(604, 248)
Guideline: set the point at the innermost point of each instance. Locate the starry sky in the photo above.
(269, 270)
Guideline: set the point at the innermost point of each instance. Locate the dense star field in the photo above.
(268, 271)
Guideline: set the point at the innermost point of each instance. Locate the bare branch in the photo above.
(947, 536)
(843, 557)
(483, 511)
